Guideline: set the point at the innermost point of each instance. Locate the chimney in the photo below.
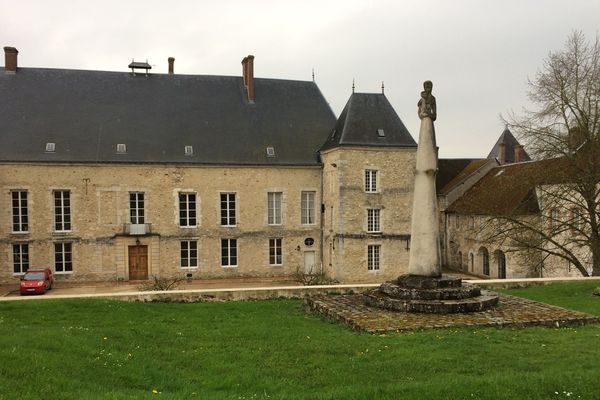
(502, 153)
(248, 76)
(10, 60)
(518, 153)
(171, 65)
(576, 138)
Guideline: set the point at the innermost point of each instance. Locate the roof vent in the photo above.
(50, 147)
(189, 150)
(139, 65)
(121, 148)
(270, 151)
(380, 133)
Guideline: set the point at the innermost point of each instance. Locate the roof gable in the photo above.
(510, 143)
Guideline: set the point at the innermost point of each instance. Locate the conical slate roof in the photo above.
(368, 119)
(510, 142)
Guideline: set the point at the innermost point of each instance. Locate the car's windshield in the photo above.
(34, 276)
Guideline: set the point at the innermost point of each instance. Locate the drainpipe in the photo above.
(321, 215)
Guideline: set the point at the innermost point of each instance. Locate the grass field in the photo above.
(87, 349)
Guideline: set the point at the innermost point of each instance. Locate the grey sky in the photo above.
(478, 53)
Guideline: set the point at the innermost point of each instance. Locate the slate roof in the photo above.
(87, 113)
(510, 189)
(510, 143)
(452, 171)
(362, 117)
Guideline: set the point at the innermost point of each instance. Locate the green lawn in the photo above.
(84, 349)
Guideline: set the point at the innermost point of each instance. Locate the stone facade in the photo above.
(100, 218)
(347, 239)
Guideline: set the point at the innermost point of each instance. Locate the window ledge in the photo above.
(229, 266)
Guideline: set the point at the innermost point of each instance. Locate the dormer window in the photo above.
(189, 150)
(121, 148)
(380, 133)
(50, 147)
(270, 151)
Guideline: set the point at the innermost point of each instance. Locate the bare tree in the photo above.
(564, 132)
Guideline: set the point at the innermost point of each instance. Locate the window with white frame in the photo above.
(307, 205)
(275, 251)
(229, 252)
(20, 258)
(274, 208)
(62, 210)
(228, 209)
(554, 218)
(136, 208)
(20, 213)
(370, 180)
(63, 257)
(187, 209)
(373, 255)
(188, 254)
(373, 222)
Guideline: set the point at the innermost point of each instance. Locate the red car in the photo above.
(36, 281)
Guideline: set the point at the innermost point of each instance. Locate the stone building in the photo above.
(124, 175)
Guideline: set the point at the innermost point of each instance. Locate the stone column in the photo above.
(425, 254)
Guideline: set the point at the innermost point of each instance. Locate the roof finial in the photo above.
(382, 88)
(352, 85)
(313, 74)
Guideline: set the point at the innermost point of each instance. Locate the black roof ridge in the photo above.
(158, 74)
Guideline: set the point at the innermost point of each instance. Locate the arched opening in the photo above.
(501, 260)
(485, 260)
(471, 262)
(460, 261)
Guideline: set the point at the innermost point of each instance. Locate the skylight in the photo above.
(380, 133)
(121, 148)
(189, 150)
(50, 147)
(270, 151)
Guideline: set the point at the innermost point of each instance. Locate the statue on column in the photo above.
(427, 106)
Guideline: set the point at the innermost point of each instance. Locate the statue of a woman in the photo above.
(427, 106)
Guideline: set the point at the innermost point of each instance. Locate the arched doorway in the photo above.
(485, 260)
(471, 262)
(501, 260)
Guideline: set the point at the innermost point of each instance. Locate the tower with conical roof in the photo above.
(368, 176)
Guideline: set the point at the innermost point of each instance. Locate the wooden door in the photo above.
(138, 263)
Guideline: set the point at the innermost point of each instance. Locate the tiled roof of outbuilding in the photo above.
(362, 118)
(87, 113)
(510, 189)
(452, 171)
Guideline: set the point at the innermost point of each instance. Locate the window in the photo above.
(20, 216)
(63, 257)
(121, 148)
(270, 151)
(373, 220)
(380, 133)
(274, 207)
(275, 252)
(136, 207)
(228, 209)
(307, 205)
(50, 147)
(554, 217)
(189, 253)
(457, 221)
(229, 252)
(373, 251)
(485, 261)
(62, 210)
(370, 181)
(577, 223)
(187, 209)
(20, 258)
(188, 150)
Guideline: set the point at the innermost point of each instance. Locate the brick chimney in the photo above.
(10, 60)
(518, 153)
(171, 65)
(248, 76)
(502, 153)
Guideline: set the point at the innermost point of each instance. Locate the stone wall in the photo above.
(346, 203)
(100, 212)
